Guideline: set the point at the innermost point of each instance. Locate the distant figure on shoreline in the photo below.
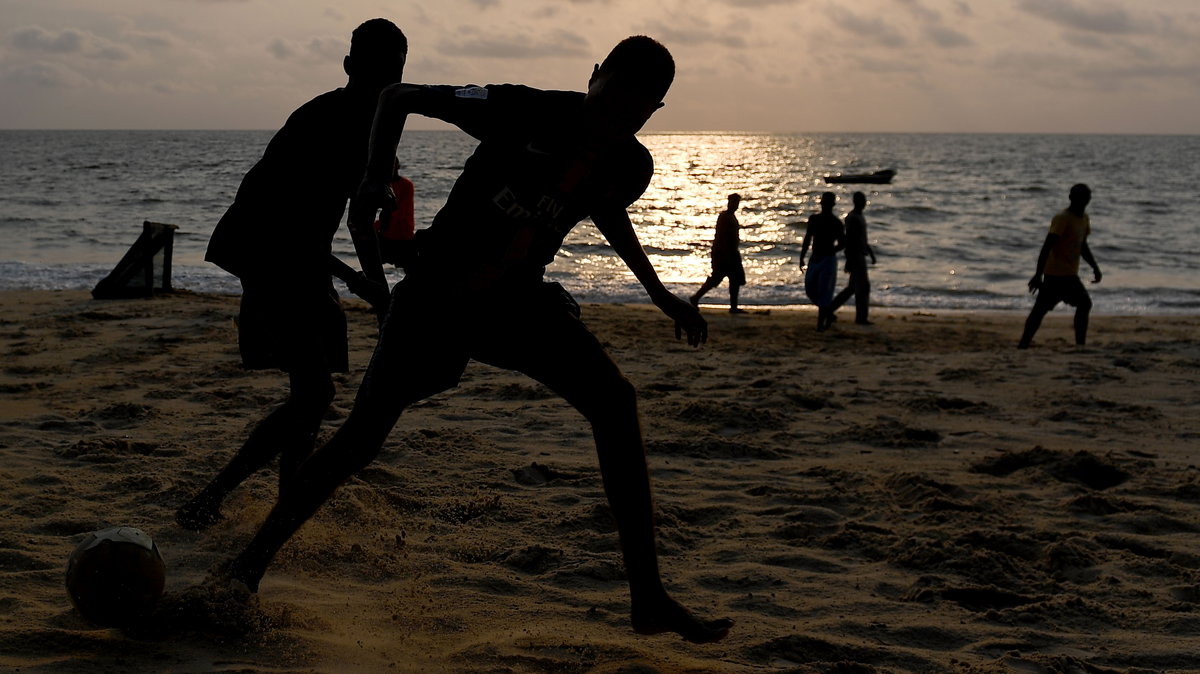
(826, 234)
(277, 238)
(857, 250)
(1057, 276)
(545, 161)
(726, 258)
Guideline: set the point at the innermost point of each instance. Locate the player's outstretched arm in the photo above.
(618, 230)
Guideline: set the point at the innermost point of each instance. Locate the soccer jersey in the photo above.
(528, 183)
(1072, 231)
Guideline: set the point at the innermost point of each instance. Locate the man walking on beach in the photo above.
(546, 160)
(825, 233)
(857, 250)
(277, 238)
(1057, 276)
(726, 258)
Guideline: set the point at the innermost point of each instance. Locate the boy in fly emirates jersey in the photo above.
(546, 160)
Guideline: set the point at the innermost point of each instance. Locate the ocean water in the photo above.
(959, 228)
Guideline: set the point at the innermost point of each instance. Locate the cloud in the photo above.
(760, 3)
(947, 37)
(35, 38)
(48, 75)
(695, 31)
(151, 40)
(868, 29)
(935, 31)
(280, 50)
(315, 50)
(472, 43)
(922, 12)
(67, 41)
(328, 48)
(1104, 18)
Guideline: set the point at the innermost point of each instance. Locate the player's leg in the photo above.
(1083, 309)
(709, 283)
(300, 329)
(842, 297)
(562, 354)
(420, 352)
(289, 432)
(737, 279)
(1047, 299)
(862, 296)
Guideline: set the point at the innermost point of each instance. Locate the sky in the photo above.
(1005, 66)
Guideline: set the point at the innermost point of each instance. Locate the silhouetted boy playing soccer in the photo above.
(277, 238)
(546, 160)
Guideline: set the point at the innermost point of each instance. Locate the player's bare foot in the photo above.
(666, 615)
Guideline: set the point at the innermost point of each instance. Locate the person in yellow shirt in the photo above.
(1057, 276)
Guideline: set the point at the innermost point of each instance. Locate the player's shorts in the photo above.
(432, 332)
(292, 327)
(731, 268)
(1067, 289)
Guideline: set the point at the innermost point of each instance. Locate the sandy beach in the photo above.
(914, 496)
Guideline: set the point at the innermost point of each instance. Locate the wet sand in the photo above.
(915, 496)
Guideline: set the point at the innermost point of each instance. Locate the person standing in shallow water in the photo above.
(1057, 276)
(277, 238)
(546, 160)
(726, 258)
(826, 235)
(857, 250)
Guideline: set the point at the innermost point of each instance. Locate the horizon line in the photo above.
(664, 132)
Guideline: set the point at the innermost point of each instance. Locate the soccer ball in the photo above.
(115, 576)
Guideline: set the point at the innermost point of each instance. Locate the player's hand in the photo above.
(687, 319)
(372, 196)
(1035, 283)
(1096, 276)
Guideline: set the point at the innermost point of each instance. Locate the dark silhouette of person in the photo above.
(856, 252)
(277, 238)
(1057, 276)
(826, 234)
(546, 160)
(726, 259)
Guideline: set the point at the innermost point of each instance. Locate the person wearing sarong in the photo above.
(826, 234)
